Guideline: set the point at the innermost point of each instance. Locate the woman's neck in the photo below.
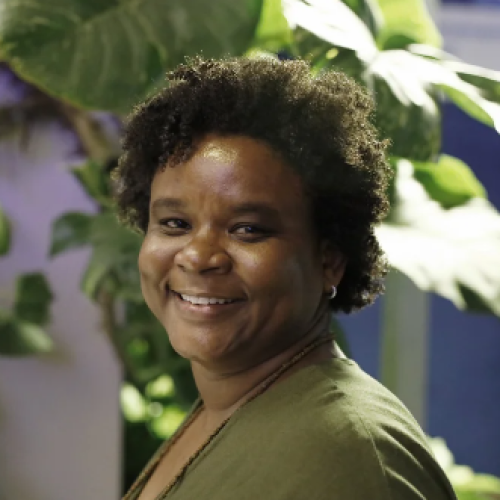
(223, 394)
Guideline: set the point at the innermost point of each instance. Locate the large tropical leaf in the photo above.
(455, 252)
(449, 181)
(333, 22)
(33, 298)
(404, 22)
(4, 233)
(95, 181)
(105, 54)
(114, 258)
(407, 111)
(20, 338)
(474, 89)
(70, 230)
(273, 32)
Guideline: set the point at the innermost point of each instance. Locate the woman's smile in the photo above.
(203, 307)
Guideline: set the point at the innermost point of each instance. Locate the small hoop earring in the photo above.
(334, 292)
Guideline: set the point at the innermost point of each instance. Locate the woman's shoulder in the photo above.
(339, 423)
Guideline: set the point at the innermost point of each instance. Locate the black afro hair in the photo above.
(320, 124)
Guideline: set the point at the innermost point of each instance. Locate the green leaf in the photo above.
(5, 233)
(273, 32)
(335, 23)
(407, 111)
(114, 259)
(70, 230)
(449, 181)
(133, 404)
(20, 338)
(412, 123)
(412, 77)
(479, 483)
(406, 21)
(33, 298)
(99, 268)
(167, 423)
(146, 348)
(474, 89)
(470, 100)
(105, 54)
(444, 251)
(486, 80)
(467, 484)
(369, 12)
(107, 232)
(95, 181)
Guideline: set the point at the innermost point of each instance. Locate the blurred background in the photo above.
(89, 385)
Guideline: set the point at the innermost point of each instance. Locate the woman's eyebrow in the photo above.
(167, 202)
(257, 208)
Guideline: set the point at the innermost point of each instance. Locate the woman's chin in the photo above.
(200, 347)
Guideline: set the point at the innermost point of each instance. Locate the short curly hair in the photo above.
(319, 124)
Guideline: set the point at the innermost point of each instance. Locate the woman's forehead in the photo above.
(232, 167)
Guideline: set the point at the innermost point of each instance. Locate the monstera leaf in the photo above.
(406, 22)
(454, 252)
(406, 83)
(106, 54)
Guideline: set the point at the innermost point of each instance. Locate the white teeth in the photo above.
(204, 300)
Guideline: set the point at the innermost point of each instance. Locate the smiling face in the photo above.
(232, 223)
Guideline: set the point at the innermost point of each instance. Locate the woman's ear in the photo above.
(334, 264)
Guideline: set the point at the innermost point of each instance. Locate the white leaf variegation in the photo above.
(455, 252)
(410, 74)
(334, 22)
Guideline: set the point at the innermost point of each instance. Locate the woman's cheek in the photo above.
(154, 260)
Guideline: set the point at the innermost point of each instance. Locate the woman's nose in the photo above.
(203, 254)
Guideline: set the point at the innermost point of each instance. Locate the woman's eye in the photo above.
(174, 225)
(250, 231)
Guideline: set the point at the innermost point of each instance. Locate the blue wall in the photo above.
(464, 371)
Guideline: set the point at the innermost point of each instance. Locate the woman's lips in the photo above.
(204, 310)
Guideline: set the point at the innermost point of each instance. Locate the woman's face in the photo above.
(232, 226)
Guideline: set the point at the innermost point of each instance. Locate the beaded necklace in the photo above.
(146, 473)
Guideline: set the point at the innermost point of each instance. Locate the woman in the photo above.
(257, 187)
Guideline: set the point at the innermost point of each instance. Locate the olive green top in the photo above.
(327, 432)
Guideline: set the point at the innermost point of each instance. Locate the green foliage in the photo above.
(449, 181)
(452, 252)
(273, 32)
(109, 54)
(151, 416)
(405, 23)
(468, 485)
(114, 258)
(5, 233)
(20, 338)
(21, 330)
(33, 298)
(95, 182)
(106, 54)
(70, 230)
